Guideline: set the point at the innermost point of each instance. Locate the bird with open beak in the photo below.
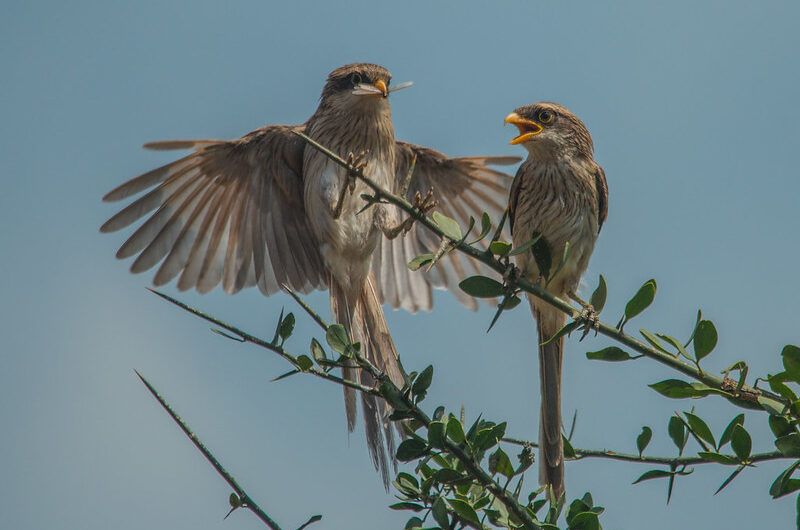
(268, 210)
(560, 194)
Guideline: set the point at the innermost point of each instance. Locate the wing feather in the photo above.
(231, 212)
(465, 188)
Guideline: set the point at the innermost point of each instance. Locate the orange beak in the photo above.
(527, 128)
(380, 85)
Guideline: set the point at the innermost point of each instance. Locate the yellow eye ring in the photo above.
(356, 79)
(545, 116)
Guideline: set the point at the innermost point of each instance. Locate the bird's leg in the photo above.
(422, 204)
(355, 163)
(511, 273)
(588, 316)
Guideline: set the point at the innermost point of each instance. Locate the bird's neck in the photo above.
(365, 127)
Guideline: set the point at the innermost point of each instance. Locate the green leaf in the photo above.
(676, 344)
(436, 434)
(413, 524)
(488, 437)
(455, 431)
(677, 431)
(439, 512)
(569, 451)
(464, 510)
(499, 248)
(447, 225)
(413, 506)
(776, 384)
(337, 338)
(653, 340)
(448, 476)
(561, 332)
(407, 484)
(486, 227)
(644, 439)
(419, 261)
(653, 473)
(287, 326)
(500, 463)
(481, 287)
(741, 442)
(317, 351)
(728, 432)
(705, 338)
(561, 263)
(677, 389)
(718, 458)
(575, 507)
(785, 484)
(791, 361)
(641, 300)
(422, 382)
(525, 246)
(598, 299)
(304, 362)
(585, 521)
(779, 426)
(696, 322)
(612, 353)
(700, 428)
(542, 255)
(411, 449)
(772, 406)
(789, 445)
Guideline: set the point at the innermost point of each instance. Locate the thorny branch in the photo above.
(744, 395)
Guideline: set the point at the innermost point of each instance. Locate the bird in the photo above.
(560, 195)
(271, 211)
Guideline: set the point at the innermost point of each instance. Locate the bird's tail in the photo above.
(551, 446)
(363, 318)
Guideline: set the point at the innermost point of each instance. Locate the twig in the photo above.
(246, 501)
(744, 397)
(467, 460)
(580, 454)
(246, 337)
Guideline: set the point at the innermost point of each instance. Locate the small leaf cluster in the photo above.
(445, 493)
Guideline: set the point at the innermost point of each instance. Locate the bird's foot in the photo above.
(422, 204)
(355, 164)
(587, 319)
(511, 273)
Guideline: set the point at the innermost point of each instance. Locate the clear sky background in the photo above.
(693, 110)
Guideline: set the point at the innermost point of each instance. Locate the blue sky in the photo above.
(693, 111)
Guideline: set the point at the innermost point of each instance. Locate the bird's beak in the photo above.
(527, 128)
(381, 85)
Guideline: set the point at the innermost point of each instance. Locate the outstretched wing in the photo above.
(465, 188)
(230, 212)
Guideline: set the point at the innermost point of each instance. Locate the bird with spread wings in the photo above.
(268, 210)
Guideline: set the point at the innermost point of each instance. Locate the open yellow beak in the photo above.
(380, 85)
(527, 128)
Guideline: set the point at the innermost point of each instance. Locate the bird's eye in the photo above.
(545, 116)
(356, 79)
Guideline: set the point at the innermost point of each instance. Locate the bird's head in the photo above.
(359, 85)
(548, 130)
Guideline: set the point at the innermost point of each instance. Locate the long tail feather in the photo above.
(364, 320)
(551, 446)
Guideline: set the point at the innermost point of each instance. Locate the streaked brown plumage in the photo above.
(561, 193)
(260, 210)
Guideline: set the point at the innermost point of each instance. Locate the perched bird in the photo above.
(269, 210)
(559, 193)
